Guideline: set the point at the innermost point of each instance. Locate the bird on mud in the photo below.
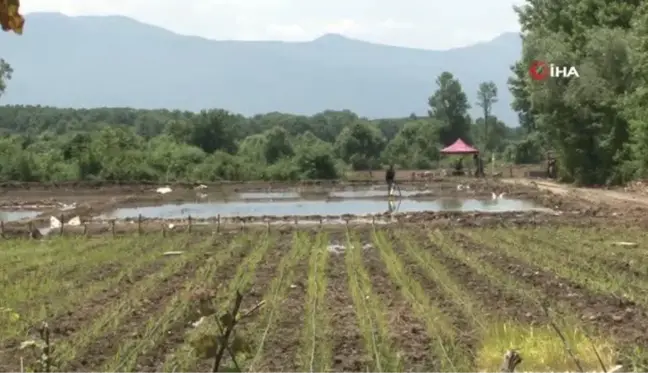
(66, 207)
(500, 196)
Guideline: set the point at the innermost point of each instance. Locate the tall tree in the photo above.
(486, 97)
(449, 104)
(5, 74)
(581, 118)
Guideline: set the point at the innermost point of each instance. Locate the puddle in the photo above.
(306, 208)
(348, 194)
(268, 195)
(375, 193)
(18, 215)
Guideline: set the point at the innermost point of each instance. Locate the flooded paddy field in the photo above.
(447, 276)
(330, 198)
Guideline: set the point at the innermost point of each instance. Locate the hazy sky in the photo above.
(431, 24)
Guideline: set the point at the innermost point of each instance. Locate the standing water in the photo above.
(306, 208)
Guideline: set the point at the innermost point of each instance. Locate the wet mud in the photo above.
(93, 200)
(406, 330)
(349, 353)
(621, 318)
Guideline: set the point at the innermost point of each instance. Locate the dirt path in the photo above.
(592, 195)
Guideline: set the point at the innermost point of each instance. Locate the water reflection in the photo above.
(18, 215)
(308, 207)
(392, 206)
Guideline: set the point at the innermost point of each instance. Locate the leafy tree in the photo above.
(498, 134)
(519, 88)
(585, 120)
(253, 148)
(449, 105)
(277, 145)
(5, 74)
(416, 145)
(360, 145)
(213, 130)
(486, 97)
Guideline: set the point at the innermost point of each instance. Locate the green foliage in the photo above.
(412, 148)
(595, 124)
(486, 97)
(122, 144)
(449, 105)
(5, 74)
(119, 144)
(527, 151)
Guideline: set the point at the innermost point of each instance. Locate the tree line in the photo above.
(51, 144)
(597, 124)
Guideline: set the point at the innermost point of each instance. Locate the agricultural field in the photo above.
(398, 298)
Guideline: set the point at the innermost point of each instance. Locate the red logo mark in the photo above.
(539, 70)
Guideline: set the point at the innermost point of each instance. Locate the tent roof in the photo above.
(459, 147)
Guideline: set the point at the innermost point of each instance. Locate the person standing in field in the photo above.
(390, 175)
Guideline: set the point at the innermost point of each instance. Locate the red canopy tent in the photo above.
(459, 147)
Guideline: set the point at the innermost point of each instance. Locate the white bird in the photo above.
(495, 196)
(460, 187)
(201, 186)
(66, 207)
(55, 223)
(75, 221)
(163, 190)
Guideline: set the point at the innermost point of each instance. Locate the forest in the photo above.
(121, 144)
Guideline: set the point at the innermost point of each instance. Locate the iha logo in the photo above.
(540, 70)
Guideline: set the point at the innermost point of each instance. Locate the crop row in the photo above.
(420, 300)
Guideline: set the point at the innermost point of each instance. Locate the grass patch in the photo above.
(542, 349)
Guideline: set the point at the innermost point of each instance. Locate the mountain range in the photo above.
(115, 61)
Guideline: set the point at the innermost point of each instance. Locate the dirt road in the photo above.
(611, 197)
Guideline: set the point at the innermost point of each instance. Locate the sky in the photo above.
(428, 24)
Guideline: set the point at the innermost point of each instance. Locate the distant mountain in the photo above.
(95, 61)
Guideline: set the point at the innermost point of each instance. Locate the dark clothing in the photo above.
(551, 169)
(479, 166)
(390, 175)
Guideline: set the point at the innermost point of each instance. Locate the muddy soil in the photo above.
(495, 302)
(623, 319)
(426, 220)
(406, 330)
(64, 325)
(349, 354)
(39, 197)
(265, 273)
(101, 350)
(283, 342)
(566, 206)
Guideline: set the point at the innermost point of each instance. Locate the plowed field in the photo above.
(367, 299)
